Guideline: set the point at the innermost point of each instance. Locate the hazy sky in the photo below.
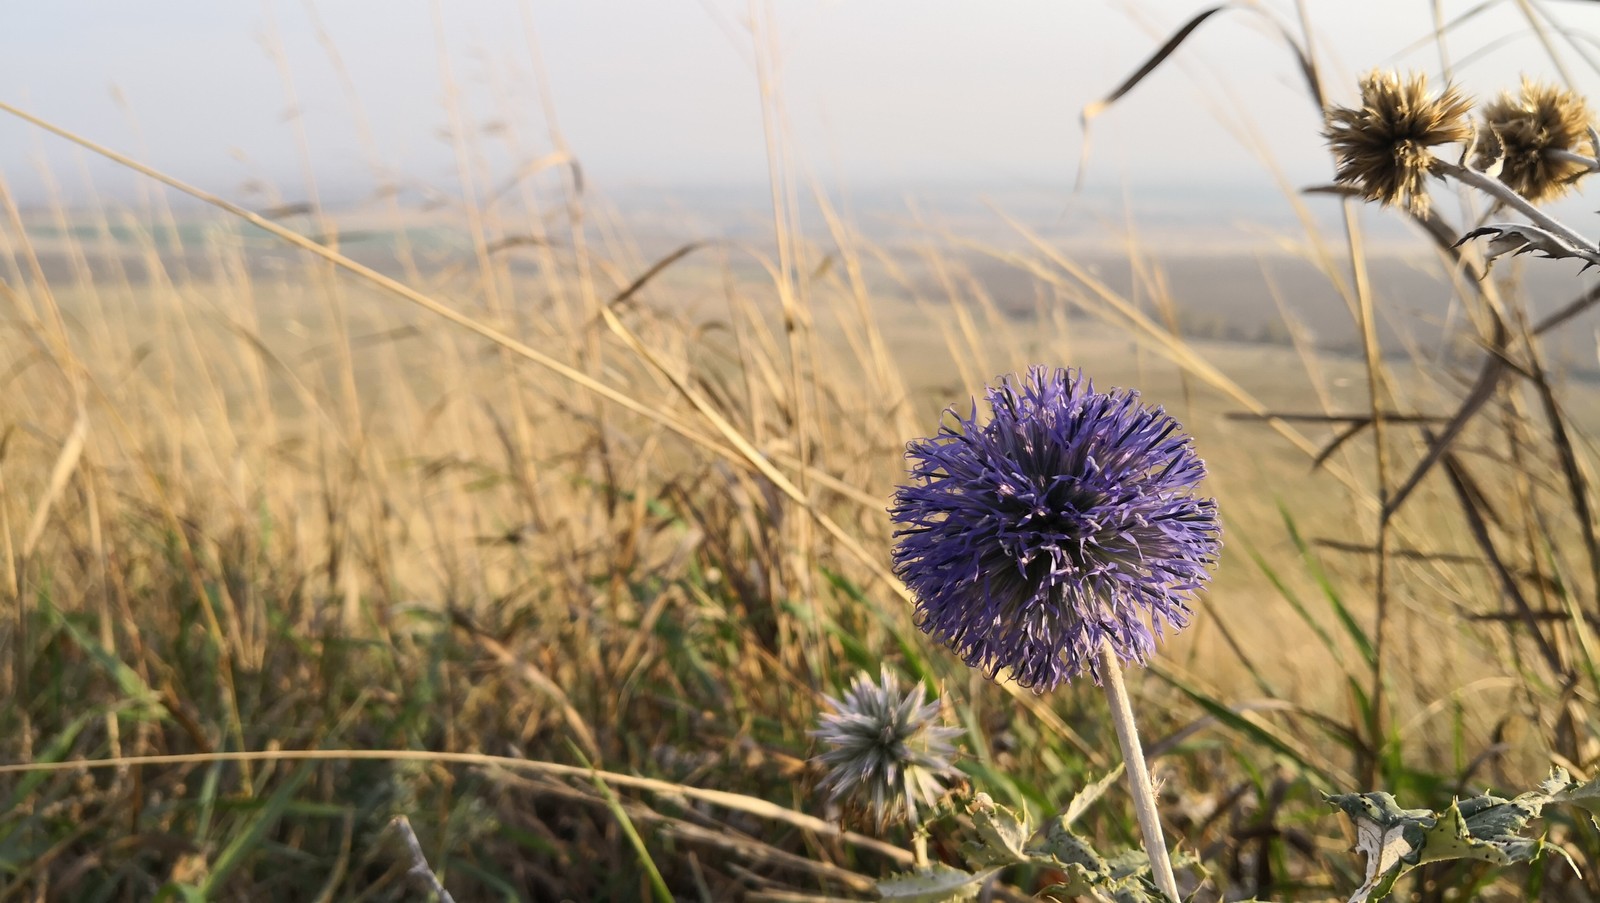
(664, 92)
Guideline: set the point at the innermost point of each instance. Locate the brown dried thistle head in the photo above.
(1381, 147)
(1542, 118)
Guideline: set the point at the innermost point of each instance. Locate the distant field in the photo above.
(1253, 287)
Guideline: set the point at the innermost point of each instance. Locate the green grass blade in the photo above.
(55, 752)
(1359, 636)
(658, 885)
(1253, 731)
(246, 841)
(127, 679)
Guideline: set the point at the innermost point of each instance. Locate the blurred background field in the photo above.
(250, 500)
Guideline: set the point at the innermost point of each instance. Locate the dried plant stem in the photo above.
(1139, 785)
(1367, 322)
(1567, 156)
(1502, 192)
(420, 871)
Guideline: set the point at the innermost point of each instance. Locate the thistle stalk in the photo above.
(1139, 783)
(1503, 193)
(1059, 535)
(1563, 155)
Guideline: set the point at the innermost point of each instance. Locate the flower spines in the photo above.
(1526, 128)
(1065, 518)
(1382, 147)
(886, 752)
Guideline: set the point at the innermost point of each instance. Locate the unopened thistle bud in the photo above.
(887, 753)
(1382, 148)
(1531, 125)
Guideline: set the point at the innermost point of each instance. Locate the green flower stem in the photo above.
(1139, 785)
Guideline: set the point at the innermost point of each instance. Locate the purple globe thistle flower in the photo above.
(886, 752)
(1067, 518)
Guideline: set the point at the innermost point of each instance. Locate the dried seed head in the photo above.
(1382, 147)
(1540, 119)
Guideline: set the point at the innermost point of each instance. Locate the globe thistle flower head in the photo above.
(1539, 119)
(1381, 147)
(1065, 518)
(887, 753)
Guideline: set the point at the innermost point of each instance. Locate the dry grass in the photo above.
(255, 501)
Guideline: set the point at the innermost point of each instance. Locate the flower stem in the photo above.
(1502, 192)
(1561, 153)
(1144, 794)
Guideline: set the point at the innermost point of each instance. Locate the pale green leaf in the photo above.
(1560, 788)
(1002, 834)
(1089, 795)
(1396, 840)
(933, 884)
(1123, 877)
(1062, 847)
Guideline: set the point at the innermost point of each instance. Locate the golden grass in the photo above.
(290, 541)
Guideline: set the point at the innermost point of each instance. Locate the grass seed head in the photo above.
(1382, 147)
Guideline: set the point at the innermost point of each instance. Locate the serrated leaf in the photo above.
(1385, 834)
(1123, 877)
(1395, 840)
(1492, 818)
(1561, 788)
(1060, 847)
(1002, 834)
(1089, 795)
(1131, 891)
(1483, 828)
(933, 884)
(1522, 238)
(1005, 839)
(1135, 863)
